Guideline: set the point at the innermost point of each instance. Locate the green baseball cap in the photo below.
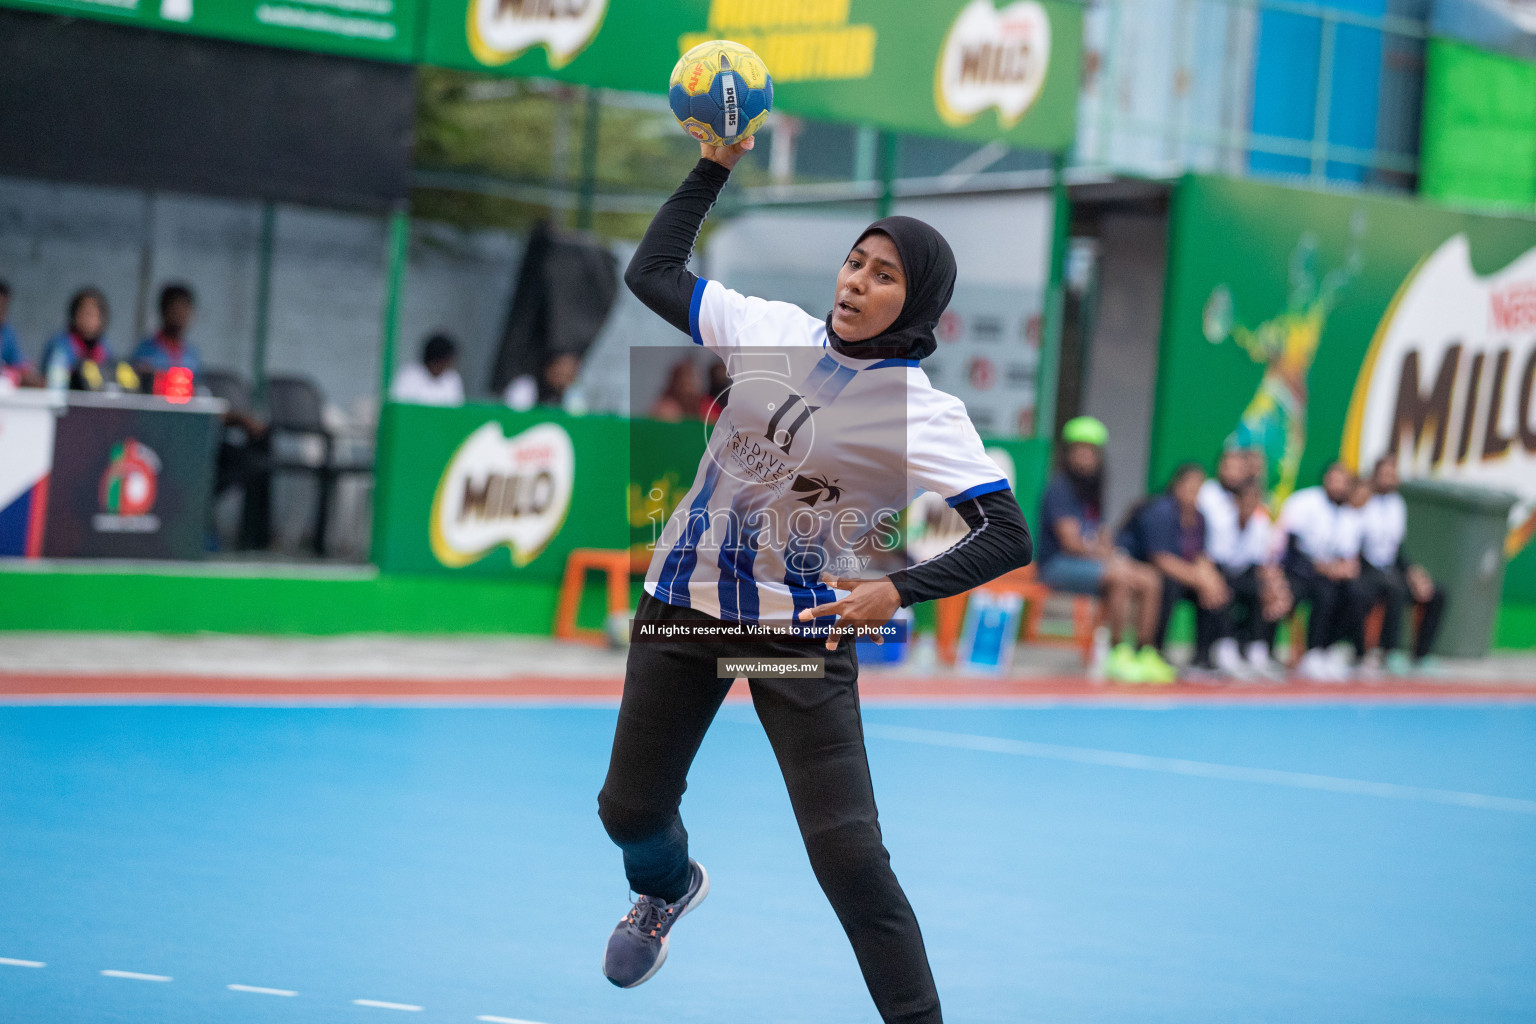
(1085, 430)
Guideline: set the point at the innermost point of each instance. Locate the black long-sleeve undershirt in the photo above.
(998, 542)
(658, 275)
(658, 272)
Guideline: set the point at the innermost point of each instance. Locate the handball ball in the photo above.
(721, 92)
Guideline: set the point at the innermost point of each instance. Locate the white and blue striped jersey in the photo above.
(812, 458)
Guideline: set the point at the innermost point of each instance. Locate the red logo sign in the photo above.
(129, 485)
(981, 372)
(950, 327)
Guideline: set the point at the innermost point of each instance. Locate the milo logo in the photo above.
(500, 31)
(1449, 383)
(993, 58)
(499, 491)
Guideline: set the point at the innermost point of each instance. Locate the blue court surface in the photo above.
(1334, 863)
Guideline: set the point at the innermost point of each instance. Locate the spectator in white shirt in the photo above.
(1240, 539)
(1322, 566)
(1387, 575)
(1227, 532)
(433, 381)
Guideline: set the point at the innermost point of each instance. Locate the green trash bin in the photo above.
(1457, 533)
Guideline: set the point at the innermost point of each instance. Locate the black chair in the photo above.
(294, 407)
(228, 385)
(244, 456)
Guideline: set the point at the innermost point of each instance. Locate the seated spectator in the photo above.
(714, 401)
(1168, 533)
(169, 346)
(1239, 539)
(1261, 597)
(1076, 554)
(1386, 574)
(682, 398)
(80, 352)
(553, 386)
(558, 384)
(433, 381)
(13, 365)
(1321, 533)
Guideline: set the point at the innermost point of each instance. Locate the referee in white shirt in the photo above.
(1322, 566)
(1386, 574)
(830, 427)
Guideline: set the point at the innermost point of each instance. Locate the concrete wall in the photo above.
(1123, 351)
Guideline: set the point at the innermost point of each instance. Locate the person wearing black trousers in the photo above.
(1168, 533)
(1388, 577)
(720, 566)
(1322, 533)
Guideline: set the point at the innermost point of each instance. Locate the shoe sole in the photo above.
(665, 939)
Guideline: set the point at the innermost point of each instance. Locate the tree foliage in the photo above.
(506, 139)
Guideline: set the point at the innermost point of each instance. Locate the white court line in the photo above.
(1201, 769)
(386, 1006)
(8, 962)
(136, 976)
(504, 1020)
(262, 991)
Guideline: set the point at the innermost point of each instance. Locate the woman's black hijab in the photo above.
(929, 266)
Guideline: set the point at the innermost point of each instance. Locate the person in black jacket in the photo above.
(850, 430)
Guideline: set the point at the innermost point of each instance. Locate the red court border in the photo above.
(875, 687)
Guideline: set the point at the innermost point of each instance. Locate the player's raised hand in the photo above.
(869, 603)
(727, 156)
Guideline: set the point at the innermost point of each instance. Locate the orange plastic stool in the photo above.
(949, 615)
(617, 564)
(1298, 634)
(1373, 621)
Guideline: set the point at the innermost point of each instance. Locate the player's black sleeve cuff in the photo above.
(658, 273)
(998, 542)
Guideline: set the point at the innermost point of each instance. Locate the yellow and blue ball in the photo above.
(721, 92)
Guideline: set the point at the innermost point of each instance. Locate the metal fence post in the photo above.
(394, 293)
(265, 244)
(1052, 314)
(1321, 111)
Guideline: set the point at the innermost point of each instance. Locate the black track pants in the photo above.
(1249, 623)
(1390, 587)
(671, 695)
(1211, 624)
(1338, 606)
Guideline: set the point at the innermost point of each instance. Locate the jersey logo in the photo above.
(785, 437)
(819, 488)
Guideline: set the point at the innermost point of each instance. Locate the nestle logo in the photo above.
(1513, 307)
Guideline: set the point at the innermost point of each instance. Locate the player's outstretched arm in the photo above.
(998, 542)
(658, 274)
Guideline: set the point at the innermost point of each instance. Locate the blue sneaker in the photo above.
(638, 946)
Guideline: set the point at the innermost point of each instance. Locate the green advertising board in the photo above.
(962, 69)
(1478, 137)
(382, 29)
(1327, 326)
(482, 491)
(955, 68)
